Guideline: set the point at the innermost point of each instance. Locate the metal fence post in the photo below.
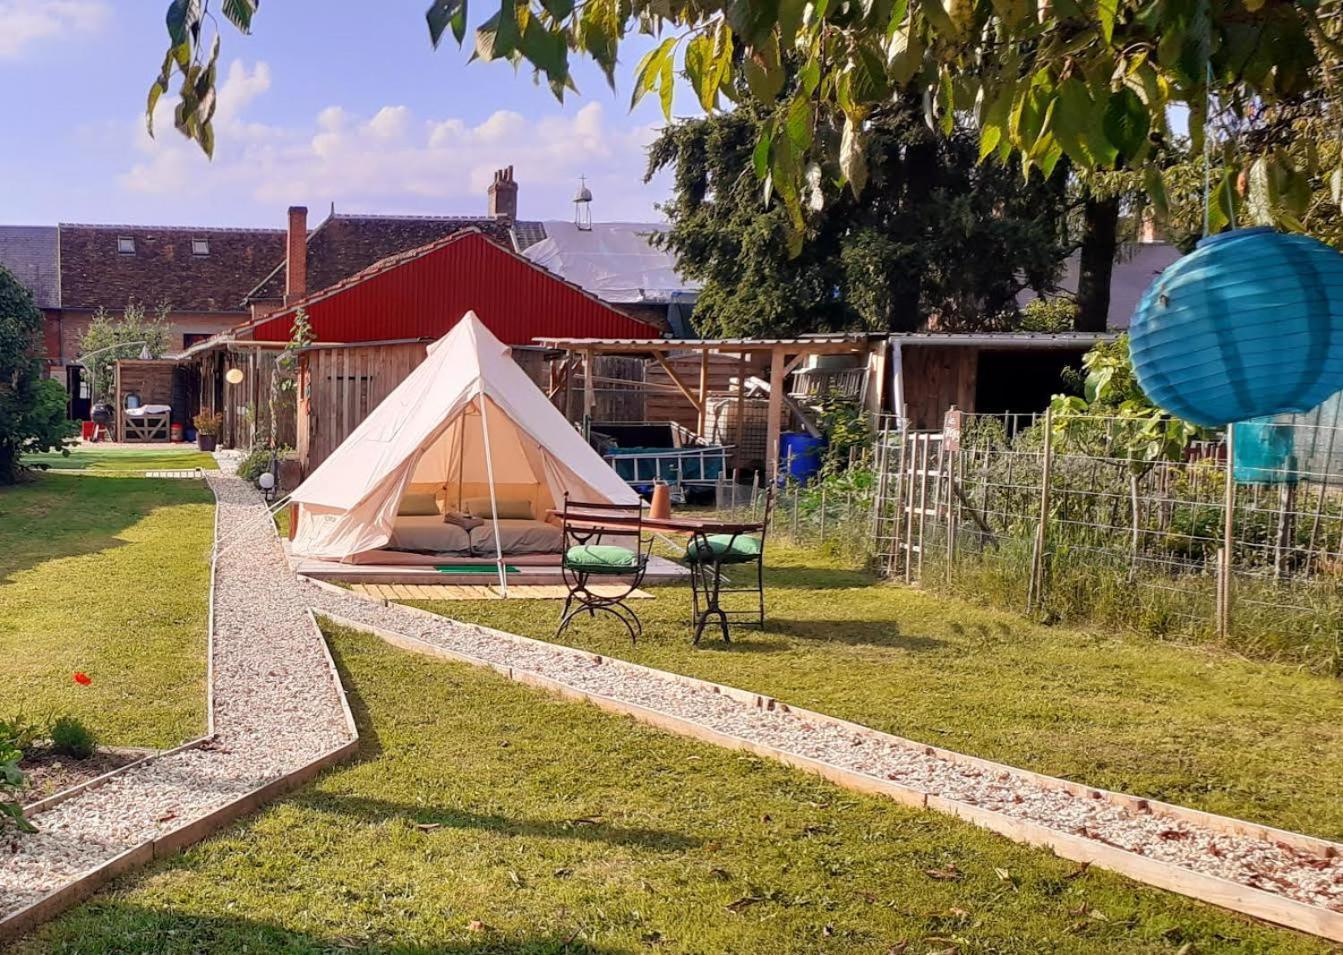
(1035, 589)
(1228, 537)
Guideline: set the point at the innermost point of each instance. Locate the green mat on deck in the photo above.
(474, 569)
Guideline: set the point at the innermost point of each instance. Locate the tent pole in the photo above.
(494, 504)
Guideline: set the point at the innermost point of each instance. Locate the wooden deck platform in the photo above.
(481, 592)
(660, 571)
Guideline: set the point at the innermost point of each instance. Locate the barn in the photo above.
(371, 328)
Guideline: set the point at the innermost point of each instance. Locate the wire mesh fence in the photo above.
(833, 515)
(1082, 519)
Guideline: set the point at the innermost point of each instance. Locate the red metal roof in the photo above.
(424, 292)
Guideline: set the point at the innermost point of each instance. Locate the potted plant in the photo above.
(207, 425)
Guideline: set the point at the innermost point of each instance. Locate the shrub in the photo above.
(70, 737)
(255, 464)
(208, 422)
(19, 733)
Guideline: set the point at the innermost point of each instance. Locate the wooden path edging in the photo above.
(1206, 888)
(174, 841)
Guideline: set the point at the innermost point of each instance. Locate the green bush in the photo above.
(255, 464)
(19, 733)
(70, 737)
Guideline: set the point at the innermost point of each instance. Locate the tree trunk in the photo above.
(9, 463)
(1099, 241)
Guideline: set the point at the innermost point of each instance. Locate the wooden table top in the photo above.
(681, 525)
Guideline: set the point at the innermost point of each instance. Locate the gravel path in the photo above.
(1315, 879)
(276, 710)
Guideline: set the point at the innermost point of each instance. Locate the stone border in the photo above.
(189, 833)
(1205, 888)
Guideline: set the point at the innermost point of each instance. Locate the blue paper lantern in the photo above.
(1249, 324)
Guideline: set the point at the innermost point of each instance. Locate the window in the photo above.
(126, 244)
(191, 338)
(200, 246)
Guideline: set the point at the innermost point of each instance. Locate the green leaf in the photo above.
(700, 70)
(790, 20)
(852, 160)
(667, 85)
(444, 14)
(183, 16)
(1106, 10)
(798, 123)
(649, 69)
(764, 74)
(905, 55)
(546, 50)
(497, 38)
(240, 13)
(559, 9)
(1126, 123)
(760, 155)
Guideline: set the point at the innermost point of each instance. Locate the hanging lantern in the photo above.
(1249, 324)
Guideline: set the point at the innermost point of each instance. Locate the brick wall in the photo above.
(73, 324)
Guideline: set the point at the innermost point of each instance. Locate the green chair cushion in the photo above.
(601, 559)
(724, 548)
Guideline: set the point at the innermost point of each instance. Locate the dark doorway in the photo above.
(80, 395)
(1022, 380)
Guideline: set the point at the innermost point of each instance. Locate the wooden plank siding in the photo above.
(938, 377)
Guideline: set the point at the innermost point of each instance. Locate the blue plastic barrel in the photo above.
(800, 455)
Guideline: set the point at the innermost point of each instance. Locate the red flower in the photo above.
(83, 679)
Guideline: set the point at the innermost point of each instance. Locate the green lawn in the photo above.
(1191, 726)
(489, 817)
(106, 575)
(159, 458)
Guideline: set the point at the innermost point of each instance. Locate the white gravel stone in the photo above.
(276, 710)
(1304, 876)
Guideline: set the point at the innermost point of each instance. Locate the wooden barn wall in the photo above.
(614, 401)
(935, 378)
(338, 387)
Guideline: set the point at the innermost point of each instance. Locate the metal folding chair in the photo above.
(588, 561)
(706, 557)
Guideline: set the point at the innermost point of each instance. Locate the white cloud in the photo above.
(395, 162)
(25, 22)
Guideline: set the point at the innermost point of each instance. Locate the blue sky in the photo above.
(325, 102)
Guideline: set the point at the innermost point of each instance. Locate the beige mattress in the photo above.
(517, 537)
(429, 533)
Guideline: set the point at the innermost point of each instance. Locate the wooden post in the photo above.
(775, 406)
(742, 408)
(703, 391)
(1228, 536)
(589, 394)
(569, 359)
(1035, 588)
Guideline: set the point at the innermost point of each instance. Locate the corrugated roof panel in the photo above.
(424, 295)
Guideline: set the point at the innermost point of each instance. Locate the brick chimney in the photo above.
(503, 195)
(296, 255)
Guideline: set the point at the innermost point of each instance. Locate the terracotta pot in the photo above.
(660, 507)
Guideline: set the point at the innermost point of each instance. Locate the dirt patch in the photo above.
(47, 773)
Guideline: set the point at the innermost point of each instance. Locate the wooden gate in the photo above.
(913, 516)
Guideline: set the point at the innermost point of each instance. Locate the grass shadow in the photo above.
(116, 926)
(373, 811)
(94, 511)
(865, 633)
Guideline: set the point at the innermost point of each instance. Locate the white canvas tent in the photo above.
(467, 422)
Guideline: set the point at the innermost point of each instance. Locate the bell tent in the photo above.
(466, 425)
